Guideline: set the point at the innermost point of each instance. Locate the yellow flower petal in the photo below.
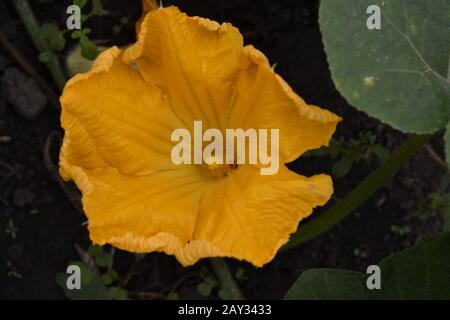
(207, 72)
(147, 5)
(112, 117)
(180, 213)
(155, 212)
(264, 100)
(249, 216)
(194, 60)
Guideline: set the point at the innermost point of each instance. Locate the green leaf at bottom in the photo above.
(88, 48)
(422, 272)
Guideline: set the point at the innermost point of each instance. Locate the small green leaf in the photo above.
(107, 280)
(79, 33)
(97, 8)
(113, 275)
(53, 35)
(76, 34)
(88, 48)
(225, 294)
(80, 3)
(46, 56)
(58, 43)
(109, 277)
(204, 289)
(172, 296)
(342, 167)
(49, 30)
(103, 260)
(95, 250)
(118, 294)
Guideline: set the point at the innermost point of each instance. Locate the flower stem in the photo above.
(225, 277)
(361, 193)
(26, 15)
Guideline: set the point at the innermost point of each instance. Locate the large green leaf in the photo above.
(327, 284)
(422, 272)
(399, 73)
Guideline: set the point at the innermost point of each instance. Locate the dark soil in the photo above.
(287, 31)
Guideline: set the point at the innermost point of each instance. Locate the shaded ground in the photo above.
(287, 32)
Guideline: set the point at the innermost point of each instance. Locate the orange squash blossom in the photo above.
(118, 119)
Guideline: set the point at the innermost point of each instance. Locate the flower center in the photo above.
(219, 170)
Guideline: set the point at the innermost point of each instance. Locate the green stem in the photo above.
(357, 196)
(26, 14)
(226, 278)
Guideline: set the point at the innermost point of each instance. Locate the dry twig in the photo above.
(433, 154)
